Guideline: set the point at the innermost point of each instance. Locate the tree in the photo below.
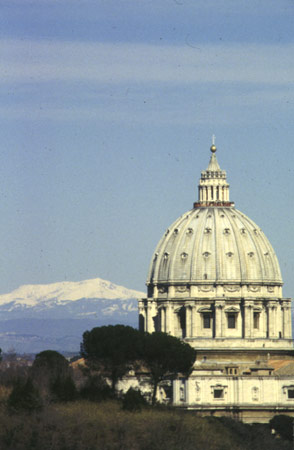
(166, 356)
(51, 373)
(112, 350)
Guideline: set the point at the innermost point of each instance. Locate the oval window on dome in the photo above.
(206, 254)
(250, 254)
(189, 231)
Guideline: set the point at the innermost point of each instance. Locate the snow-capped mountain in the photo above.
(33, 294)
(54, 316)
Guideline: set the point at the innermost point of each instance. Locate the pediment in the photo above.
(232, 309)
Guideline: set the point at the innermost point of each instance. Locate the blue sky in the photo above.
(106, 115)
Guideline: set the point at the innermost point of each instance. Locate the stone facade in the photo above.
(215, 281)
(253, 398)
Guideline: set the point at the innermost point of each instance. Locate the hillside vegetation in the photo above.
(84, 425)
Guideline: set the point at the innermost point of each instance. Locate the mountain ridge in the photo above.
(32, 294)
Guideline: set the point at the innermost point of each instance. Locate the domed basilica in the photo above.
(214, 280)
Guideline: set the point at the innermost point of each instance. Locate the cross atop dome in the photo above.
(213, 187)
(213, 147)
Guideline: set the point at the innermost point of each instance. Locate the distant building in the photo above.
(215, 281)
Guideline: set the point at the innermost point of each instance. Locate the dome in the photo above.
(214, 244)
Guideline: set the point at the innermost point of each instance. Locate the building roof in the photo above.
(283, 367)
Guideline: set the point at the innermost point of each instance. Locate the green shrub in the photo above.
(63, 389)
(133, 400)
(24, 397)
(283, 425)
(96, 389)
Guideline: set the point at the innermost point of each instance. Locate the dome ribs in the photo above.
(200, 262)
(225, 248)
(179, 266)
(237, 225)
(217, 259)
(254, 261)
(208, 271)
